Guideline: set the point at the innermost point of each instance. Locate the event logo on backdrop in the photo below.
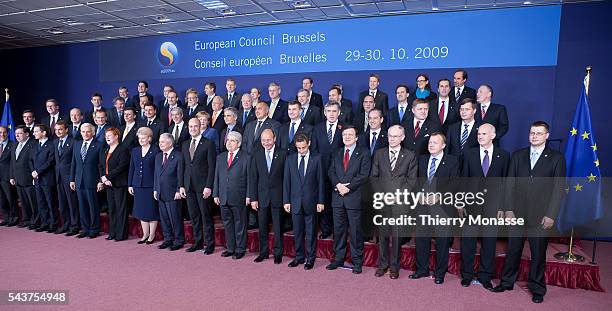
(514, 37)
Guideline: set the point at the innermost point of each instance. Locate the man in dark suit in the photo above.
(84, 177)
(54, 115)
(361, 121)
(346, 110)
(96, 102)
(344, 102)
(115, 114)
(166, 184)
(436, 172)
(76, 119)
(376, 137)
(303, 197)
(278, 106)
(535, 191)
(231, 97)
(43, 172)
(494, 114)
(253, 130)
(129, 128)
(165, 110)
(21, 177)
(461, 91)
(381, 99)
(462, 136)
(101, 126)
(246, 113)
(178, 127)
(10, 214)
(287, 131)
(153, 122)
(310, 114)
(419, 128)
(231, 192)
(199, 164)
(349, 169)
(230, 116)
(28, 120)
(143, 90)
(444, 110)
(266, 178)
(400, 113)
(314, 99)
(216, 115)
(399, 166)
(123, 93)
(326, 139)
(210, 90)
(483, 167)
(68, 205)
(193, 107)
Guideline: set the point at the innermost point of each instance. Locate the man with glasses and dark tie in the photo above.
(287, 132)
(54, 115)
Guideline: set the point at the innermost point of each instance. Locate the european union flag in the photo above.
(7, 119)
(583, 201)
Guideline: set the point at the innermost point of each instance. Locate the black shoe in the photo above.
(51, 230)
(32, 227)
(487, 285)
(357, 270)
(380, 272)
(334, 265)
(537, 299)
(92, 236)
(394, 274)
(176, 247)
(278, 260)
(209, 251)
(439, 280)
(466, 282)
(4, 223)
(415, 276)
(149, 242)
(260, 258)
(41, 229)
(500, 288)
(294, 263)
(143, 241)
(193, 248)
(238, 255)
(60, 231)
(227, 254)
(22, 225)
(165, 245)
(309, 265)
(12, 224)
(108, 238)
(81, 235)
(324, 236)
(119, 240)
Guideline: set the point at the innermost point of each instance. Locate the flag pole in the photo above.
(6, 95)
(587, 82)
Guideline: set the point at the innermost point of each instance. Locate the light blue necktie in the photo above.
(534, 158)
(432, 170)
(83, 151)
(401, 113)
(269, 159)
(485, 163)
(292, 132)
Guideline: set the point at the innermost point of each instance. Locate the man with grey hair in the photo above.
(278, 106)
(230, 116)
(253, 130)
(310, 114)
(178, 128)
(246, 113)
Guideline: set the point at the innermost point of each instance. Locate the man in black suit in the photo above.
(400, 113)
(178, 127)
(246, 113)
(399, 166)
(165, 110)
(266, 178)
(287, 131)
(483, 167)
(361, 121)
(166, 184)
(310, 114)
(54, 115)
(10, 214)
(462, 135)
(436, 172)
(494, 114)
(419, 127)
(381, 99)
(461, 91)
(231, 97)
(129, 128)
(376, 137)
(216, 115)
(344, 102)
(101, 126)
(143, 90)
(198, 178)
(167, 104)
(314, 99)
(278, 106)
(210, 88)
(444, 109)
(346, 111)
(84, 177)
(535, 191)
(193, 107)
(21, 177)
(231, 192)
(115, 114)
(76, 119)
(68, 206)
(303, 197)
(28, 120)
(43, 172)
(153, 122)
(230, 116)
(123, 93)
(96, 102)
(253, 130)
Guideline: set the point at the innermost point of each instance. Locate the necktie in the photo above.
(244, 117)
(441, 113)
(99, 130)
(401, 113)
(214, 119)
(149, 123)
(485, 163)
(373, 94)
(18, 151)
(61, 147)
(330, 136)
(52, 122)
(269, 159)
(121, 117)
(176, 133)
(229, 98)
(231, 158)
(125, 133)
(192, 148)
(191, 111)
(257, 127)
(534, 158)
(142, 116)
(464, 135)
(365, 122)
(345, 162)
(292, 132)
(417, 128)
(1, 149)
(272, 109)
(170, 115)
(83, 151)
(432, 170)
(302, 165)
(75, 131)
(483, 111)
(458, 94)
(165, 159)
(393, 159)
(302, 114)
(373, 143)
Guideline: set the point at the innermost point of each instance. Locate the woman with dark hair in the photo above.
(114, 162)
(422, 90)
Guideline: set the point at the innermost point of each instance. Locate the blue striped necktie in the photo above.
(432, 170)
(464, 135)
(84, 151)
(329, 134)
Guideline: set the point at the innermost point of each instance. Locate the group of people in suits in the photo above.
(258, 160)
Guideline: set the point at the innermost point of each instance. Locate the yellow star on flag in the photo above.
(574, 131)
(594, 147)
(578, 187)
(596, 163)
(592, 177)
(585, 135)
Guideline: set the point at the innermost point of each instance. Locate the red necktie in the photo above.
(441, 113)
(231, 158)
(483, 112)
(169, 116)
(165, 159)
(417, 129)
(346, 160)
